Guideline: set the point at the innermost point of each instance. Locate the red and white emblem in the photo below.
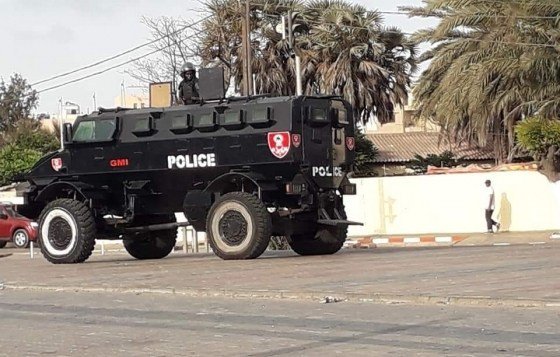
(279, 143)
(296, 139)
(56, 163)
(350, 143)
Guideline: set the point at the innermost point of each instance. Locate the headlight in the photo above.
(34, 224)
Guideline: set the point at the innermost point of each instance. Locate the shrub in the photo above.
(420, 164)
(537, 135)
(365, 155)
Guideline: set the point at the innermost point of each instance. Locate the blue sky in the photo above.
(43, 38)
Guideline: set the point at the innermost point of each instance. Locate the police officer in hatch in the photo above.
(188, 88)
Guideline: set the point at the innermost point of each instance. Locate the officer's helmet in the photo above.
(187, 67)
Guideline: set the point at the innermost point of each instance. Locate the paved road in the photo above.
(468, 274)
(91, 324)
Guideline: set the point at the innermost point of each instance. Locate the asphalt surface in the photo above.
(524, 275)
(451, 301)
(114, 324)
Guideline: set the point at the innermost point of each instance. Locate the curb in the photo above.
(400, 241)
(375, 298)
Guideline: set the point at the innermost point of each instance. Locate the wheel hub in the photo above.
(20, 238)
(233, 227)
(60, 233)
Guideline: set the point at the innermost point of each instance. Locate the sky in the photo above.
(43, 38)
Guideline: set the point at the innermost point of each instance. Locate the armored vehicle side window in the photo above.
(205, 121)
(318, 115)
(232, 119)
(340, 117)
(181, 124)
(99, 130)
(260, 116)
(144, 126)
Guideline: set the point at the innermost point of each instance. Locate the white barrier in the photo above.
(453, 203)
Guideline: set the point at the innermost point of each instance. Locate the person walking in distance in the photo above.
(489, 202)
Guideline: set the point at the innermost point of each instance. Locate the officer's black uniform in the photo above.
(188, 90)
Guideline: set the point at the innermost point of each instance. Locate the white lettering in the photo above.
(326, 171)
(202, 160)
(211, 159)
(170, 162)
(180, 162)
(191, 161)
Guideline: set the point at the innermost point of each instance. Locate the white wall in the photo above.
(453, 203)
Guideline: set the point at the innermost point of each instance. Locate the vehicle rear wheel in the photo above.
(66, 231)
(325, 241)
(238, 226)
(154, 244)
(20, 238)
(3, 243)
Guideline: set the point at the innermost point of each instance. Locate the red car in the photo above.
(15, 228)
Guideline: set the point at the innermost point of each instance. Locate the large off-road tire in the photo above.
(326, 240)
(66, 231)
(238, 226)
(151, 245)
(20, 238)
(3, 243)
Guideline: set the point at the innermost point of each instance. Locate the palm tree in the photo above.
(492, 64)
(345, 51)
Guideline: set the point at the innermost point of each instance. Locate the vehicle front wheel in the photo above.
(66, 231)
(20, 238)
(238, 226)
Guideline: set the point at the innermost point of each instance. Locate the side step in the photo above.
(157, 227)
(325, 219)
(338, 222)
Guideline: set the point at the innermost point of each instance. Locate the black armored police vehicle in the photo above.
(241, 169)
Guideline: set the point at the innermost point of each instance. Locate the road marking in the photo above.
(412, 240)
(501, 244)
(444, 239)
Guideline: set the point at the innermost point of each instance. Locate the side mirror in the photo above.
(3, 216)
(67, 133)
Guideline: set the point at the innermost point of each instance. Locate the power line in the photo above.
(449, 38)
(108, 69)
(404, 13)
(119, 54)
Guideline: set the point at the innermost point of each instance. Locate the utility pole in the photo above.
(291, 41)
(247, 40)
(61, 123)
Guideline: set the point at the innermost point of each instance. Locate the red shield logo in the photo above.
(350, 143)
(279, 143)
(296, 139)
(56, 163)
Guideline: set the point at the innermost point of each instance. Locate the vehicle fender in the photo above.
(244, 181)
(53, 190)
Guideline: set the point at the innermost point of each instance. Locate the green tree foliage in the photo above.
(15, 160)
(537, 135)
(420, 164)
(345, 50)
(492, 63)
(17, 100)
(24, 144)
(366, 153)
